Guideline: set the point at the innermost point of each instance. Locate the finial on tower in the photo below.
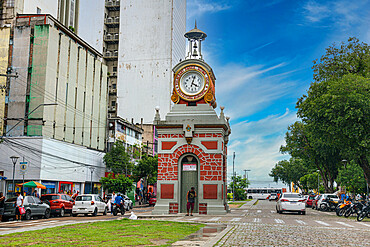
(195, 37)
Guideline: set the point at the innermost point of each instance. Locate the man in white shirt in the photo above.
(19, 204)
(112, 201)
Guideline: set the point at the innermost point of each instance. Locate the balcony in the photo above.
(112, 4)
(113, 91)
(111, 55)
(111, 108)
(112, 21)
(111, 38)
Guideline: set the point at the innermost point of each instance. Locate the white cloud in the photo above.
(257, 144)
(197, 8)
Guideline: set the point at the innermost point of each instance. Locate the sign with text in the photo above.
(189, 167)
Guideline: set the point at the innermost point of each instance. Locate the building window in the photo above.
(114, 86)
(10, 3)
(38, 10)
(113, 103)
(114, 69)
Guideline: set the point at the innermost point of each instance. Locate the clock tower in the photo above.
(192, 139)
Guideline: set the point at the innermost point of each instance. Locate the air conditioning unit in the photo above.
(113, 108)
(116, 19)
(108, 36)
(114, 73)
(116, 36)
(108, 53)
(115, 53)
(109, 19)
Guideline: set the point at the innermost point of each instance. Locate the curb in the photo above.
(214, 240)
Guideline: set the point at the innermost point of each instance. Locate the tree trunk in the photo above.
(325, 180)
(364, 164)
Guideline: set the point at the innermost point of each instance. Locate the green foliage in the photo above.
(117, 159)
(146, 168)
(309, 181)
(352, 177)
(120, 183)
(240, 184)
(289, 171)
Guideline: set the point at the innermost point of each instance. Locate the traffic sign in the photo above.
(23, 166)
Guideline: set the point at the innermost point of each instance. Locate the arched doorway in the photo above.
(189, 165)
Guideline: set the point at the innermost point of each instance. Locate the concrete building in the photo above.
(142, 41)
(120, 129)
(56, 106)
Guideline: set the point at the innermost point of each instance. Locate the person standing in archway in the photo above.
(190, 198)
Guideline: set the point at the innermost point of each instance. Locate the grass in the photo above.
(238, 204)
(106, 233)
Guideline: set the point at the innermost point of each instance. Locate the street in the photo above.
(249, 225)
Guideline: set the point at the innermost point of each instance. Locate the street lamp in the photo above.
(14, 160)
(246, 173)
(92, 171)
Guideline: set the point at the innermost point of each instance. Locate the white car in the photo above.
(291, 202)
(89, 204)
(273, 196)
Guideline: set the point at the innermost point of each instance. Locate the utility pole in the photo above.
(233, 176)
(318, 181)
(246, 173)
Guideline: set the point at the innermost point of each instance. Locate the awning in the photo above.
(3, 178)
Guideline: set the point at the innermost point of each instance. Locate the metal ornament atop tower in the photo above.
(195, 38)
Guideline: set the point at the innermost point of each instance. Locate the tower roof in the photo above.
(196, 33)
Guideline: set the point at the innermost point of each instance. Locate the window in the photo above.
(83, 198)
(292, 196)
(114, 86)
(37, 200)
(113, 103)
(30, 200)
(114, 69)
(50, 197)
(64, 197)
(38, 10)
(10, 3)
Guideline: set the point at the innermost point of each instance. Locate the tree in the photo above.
(146, 168)
(240, 184)
(337, 104)
(120, 183)
(289, 171)
(117, 159)
(352, 177)
(309, 181)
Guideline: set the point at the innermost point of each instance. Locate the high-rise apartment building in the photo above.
(142, 41)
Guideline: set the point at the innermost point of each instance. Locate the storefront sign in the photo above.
(189, 167)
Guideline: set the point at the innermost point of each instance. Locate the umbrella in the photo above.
(33, 184)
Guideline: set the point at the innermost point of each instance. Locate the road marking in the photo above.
(314, 213)
(196, 218)
(245, 210)
(236, 219)
(273, 211)
(215, 219)
(256, 220)
(2, 229)
(344, 224)
(362, 223)
(179, 218)
(327, 213)
(279, 221)
(322, 223)
(301, 222)
(259, 211)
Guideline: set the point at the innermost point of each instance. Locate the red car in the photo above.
(152, 201)
(59, 203)
(309, 200)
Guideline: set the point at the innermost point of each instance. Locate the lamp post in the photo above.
(14, 160)
(92, 171)
(246, 173)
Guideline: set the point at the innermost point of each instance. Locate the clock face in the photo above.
(192, 83)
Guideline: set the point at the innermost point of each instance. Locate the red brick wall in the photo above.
(202, 208)
(174, 208)
(211, 165)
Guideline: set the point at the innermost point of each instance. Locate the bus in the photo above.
(263, 193)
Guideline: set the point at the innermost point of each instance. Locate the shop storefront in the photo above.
(65, 187)
(97, 188)
(50, 187)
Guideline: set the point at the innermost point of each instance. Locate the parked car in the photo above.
(322, 199)
(89, 204)
(152, 200)
(273, 196)
(128, 203)
(314, 202)
(309, 200)
(33, 206)
(59, 203)
(291, 202)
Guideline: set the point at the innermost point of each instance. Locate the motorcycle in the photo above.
(328, 205)
(364, 212)
(354, 208)
(118, 208)
(341, 209)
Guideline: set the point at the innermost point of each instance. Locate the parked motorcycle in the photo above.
(355, 207)
(364, 212)
(328, 205)
(342, 207)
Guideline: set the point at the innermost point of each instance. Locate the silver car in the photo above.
(291, 202)
(33, 206)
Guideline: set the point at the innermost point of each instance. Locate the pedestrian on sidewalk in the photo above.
(112, 200)
(190, 199)
(2, 200)
(19, 204)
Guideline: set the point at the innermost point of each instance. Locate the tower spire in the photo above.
(195, 24)
(195, 38)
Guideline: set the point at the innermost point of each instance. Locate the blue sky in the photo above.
(262, 52)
